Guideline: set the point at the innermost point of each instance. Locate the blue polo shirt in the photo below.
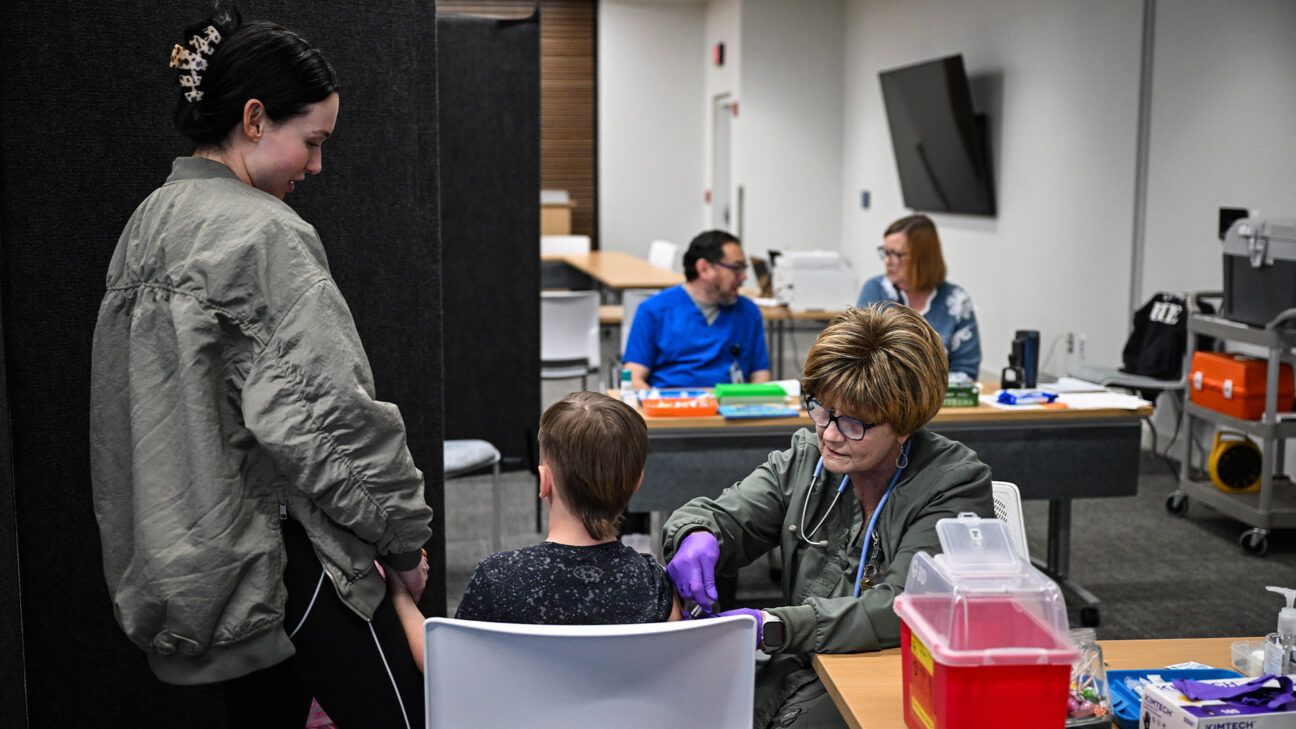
(671, 337)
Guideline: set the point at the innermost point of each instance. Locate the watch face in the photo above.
(772, 635)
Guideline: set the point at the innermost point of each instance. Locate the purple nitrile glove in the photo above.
(760, 619)
(692, 569)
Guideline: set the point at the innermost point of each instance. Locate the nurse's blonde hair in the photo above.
(882, 363)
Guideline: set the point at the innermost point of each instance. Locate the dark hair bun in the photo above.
(255, 60)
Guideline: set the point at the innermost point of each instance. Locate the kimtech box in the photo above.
(1164, 707)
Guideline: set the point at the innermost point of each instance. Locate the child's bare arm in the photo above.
(411, 618)
(677, 612)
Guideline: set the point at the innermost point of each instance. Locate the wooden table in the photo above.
(611, 314)
(1053, 454)
(617, 271)
(868, 688)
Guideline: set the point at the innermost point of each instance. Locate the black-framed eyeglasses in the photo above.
(852, 428)
(739, 267)
(884, 254)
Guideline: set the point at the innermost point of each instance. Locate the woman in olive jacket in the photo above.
(850, 504)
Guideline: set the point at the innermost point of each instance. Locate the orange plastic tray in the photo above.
(680, 407)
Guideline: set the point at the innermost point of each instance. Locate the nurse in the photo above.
(849, 503)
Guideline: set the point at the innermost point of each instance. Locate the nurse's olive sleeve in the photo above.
(849, 624)
(309, 401)
(747, 518)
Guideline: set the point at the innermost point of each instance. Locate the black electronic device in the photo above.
(1227, 216)
(941, 147)
(1014, 375)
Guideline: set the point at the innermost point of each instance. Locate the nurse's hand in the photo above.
(693, 569)
(759, 615)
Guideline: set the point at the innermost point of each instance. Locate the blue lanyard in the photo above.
(866, 551)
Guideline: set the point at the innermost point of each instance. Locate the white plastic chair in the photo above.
(664, 254)
(569, 334)
(694, 673)
(556, 244)
(630, 301)
(1008, 509)
(462, 457)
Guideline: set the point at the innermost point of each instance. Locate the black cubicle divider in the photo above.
(490, 227)
(85, 133)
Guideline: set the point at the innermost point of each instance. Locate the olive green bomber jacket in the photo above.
(229, 389)
(753, 516)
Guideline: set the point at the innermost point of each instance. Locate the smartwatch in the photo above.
(773, 634)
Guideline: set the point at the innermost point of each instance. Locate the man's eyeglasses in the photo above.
(852, 428)
(884, 254)
(738, 267)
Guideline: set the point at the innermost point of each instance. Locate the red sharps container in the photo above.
(983, 634)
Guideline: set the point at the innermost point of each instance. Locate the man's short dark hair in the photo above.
(707, 246)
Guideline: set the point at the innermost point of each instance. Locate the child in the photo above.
(592, 452)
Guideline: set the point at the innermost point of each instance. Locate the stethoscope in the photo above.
(867, 548)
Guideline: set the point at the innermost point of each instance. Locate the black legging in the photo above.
(362, 673)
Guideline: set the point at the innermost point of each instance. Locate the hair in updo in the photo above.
(256, 60)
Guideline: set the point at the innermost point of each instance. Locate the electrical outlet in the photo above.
(1070, 342)
(1080, 345)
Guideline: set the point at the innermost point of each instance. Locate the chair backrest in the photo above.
(569, 326)
(664, 254)
(630, 301)
(697, 673)
(1008, 509)
(554, 244)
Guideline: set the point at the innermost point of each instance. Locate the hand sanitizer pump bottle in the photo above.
(1280, 647)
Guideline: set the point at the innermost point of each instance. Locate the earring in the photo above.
(902, 460)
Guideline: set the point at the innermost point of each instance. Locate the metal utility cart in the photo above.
(1270, 508)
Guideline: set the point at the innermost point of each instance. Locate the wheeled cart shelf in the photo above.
(1274, 506)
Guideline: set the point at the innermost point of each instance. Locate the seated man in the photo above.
(702, 332)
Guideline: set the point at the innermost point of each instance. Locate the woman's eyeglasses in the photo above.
(884, 254)
(852, 428)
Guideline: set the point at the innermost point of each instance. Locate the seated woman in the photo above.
(915, 277)
(873, 379)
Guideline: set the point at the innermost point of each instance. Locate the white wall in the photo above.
(1223, 115)
(651, 60)
(1059, 81)
(791, 119)
(723, 25)
(1223, 105)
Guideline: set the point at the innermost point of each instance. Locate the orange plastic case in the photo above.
(676, 407)
(1234, 384)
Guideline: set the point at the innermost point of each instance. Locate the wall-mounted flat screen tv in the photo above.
(940, 146)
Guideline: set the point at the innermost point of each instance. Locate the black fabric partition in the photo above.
(85, 133)
(490, 227)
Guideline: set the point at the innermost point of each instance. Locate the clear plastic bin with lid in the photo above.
(983, 634)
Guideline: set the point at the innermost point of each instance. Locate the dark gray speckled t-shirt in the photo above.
(557, 584)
